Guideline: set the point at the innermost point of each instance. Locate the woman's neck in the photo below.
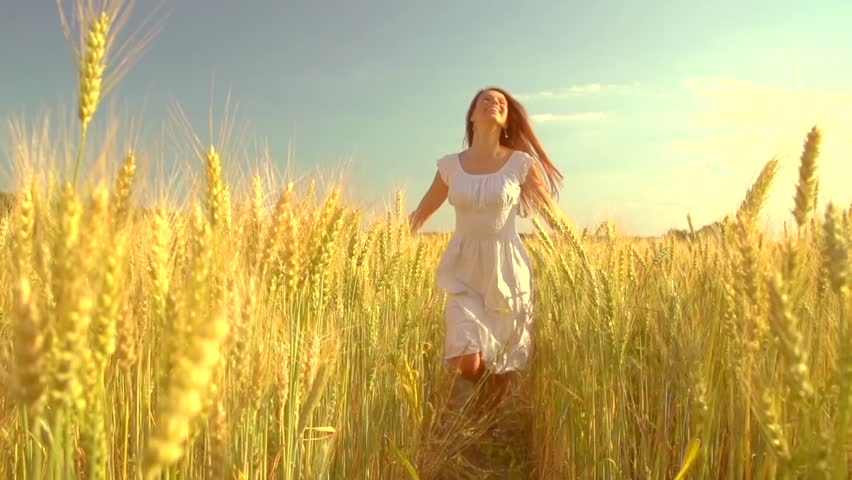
(486, 142)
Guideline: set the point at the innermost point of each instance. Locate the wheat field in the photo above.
(284, 333)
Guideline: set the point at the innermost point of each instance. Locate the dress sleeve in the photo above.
(444, 168)
(524, 167)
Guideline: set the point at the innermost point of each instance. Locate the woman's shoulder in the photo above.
(522, 164)
(446, 160)
(523, 155)
(446, 166)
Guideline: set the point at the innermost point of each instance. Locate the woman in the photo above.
(485, 269)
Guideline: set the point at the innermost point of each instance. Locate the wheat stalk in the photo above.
(836, 264)
(786, 327)
(256, 231)
(126, 344)
(91, 78)
(281, 222)
(4, 233)
(835, 254)
(158, 260)
(757, 194)
(805, 197)
(215, 189)
(22, 237)
(29, 348)
(121, 191)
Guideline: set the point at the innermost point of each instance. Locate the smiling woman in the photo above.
(485, 270)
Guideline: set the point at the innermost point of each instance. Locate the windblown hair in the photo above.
(520, 137)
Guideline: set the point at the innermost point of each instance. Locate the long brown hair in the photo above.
(520, 137)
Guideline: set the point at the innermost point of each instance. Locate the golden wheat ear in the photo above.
(91, 79)
(806, 187)
(835, 251)
(30, 348)
(92, 68)
(100, 59)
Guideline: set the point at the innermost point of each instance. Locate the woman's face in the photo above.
(490, 107)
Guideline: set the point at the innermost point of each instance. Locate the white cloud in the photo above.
(738, 127)
(573, 117)
(578, 90)
(590, 88)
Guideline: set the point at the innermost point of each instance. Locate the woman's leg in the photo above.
(496, 387)
(469, 366)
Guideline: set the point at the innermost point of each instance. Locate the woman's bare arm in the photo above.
(534, 184)
(432, 200)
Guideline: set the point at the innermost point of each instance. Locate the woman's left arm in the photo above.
(534, 187)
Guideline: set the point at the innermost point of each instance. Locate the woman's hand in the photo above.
(431, 201)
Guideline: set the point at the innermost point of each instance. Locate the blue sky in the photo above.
(651, 109)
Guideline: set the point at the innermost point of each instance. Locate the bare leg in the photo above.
(469, 366)
(494, 390)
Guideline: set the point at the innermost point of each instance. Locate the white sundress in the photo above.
(485, 270)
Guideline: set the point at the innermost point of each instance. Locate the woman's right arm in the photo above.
(430, 202)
